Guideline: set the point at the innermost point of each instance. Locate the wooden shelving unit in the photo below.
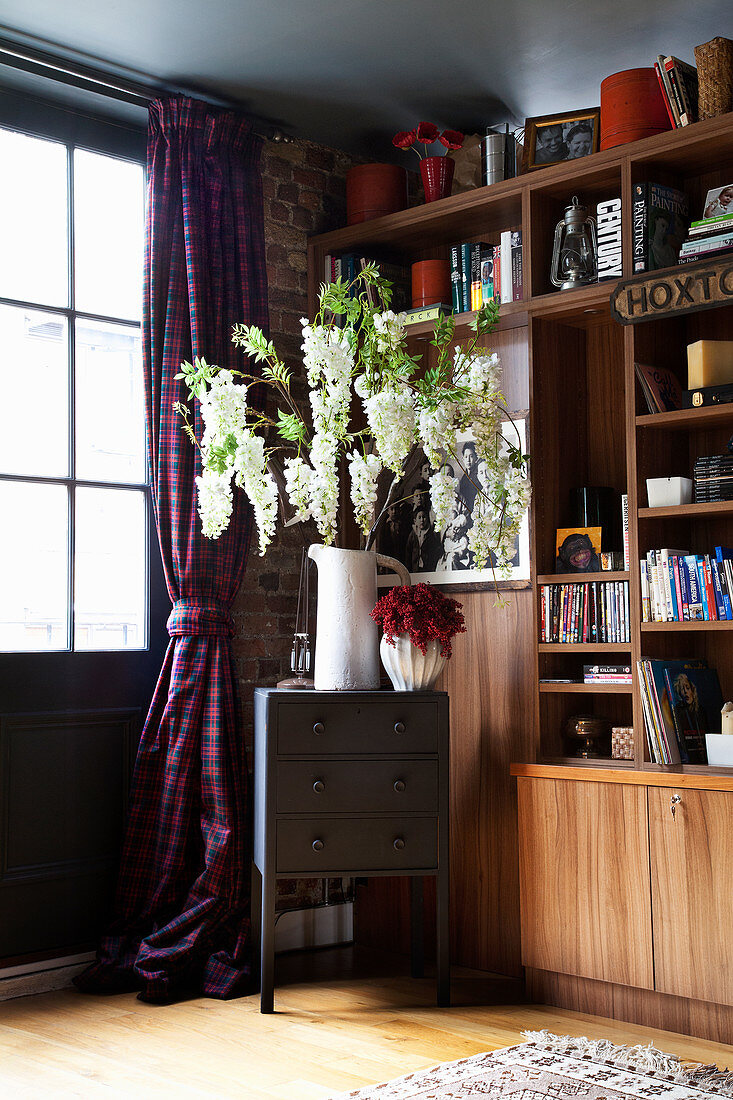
(569, 362)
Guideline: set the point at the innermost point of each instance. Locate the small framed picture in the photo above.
(719, 202)
(552, 139)
(578, 550)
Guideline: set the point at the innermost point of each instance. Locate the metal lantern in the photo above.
(574, 254)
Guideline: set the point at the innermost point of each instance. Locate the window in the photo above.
(74, 495)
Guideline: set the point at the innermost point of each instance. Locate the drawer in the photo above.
(357, 786)
(322, 726)
(356, 844)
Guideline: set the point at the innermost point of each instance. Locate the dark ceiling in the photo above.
(350, 74)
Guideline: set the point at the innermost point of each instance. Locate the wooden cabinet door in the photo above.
(692, 892)
(584, 875)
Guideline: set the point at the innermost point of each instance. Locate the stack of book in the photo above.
(681, 701)
(482, 272)
(590, 611)
(708, 238)
(679, 86)
(677, 586)
(713, 478)
(606, 674)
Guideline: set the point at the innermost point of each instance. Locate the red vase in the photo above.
(437, 177)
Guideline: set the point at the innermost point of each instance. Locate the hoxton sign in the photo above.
(682, 289)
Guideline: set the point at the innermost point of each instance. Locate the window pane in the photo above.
(109, 607)
(110, 416)
(33, 566)
(34, 386)
(33, 220)
(108, 242)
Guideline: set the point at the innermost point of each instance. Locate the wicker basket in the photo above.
(715, 76)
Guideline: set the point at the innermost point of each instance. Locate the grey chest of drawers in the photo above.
(352, 784)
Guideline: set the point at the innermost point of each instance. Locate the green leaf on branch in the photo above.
(291, 427)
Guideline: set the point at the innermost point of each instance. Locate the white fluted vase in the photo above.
(347, 655)
(408, 667)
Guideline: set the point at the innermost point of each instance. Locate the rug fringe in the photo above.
(640, 1059)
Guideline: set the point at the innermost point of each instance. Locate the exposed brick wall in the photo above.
(305, 193)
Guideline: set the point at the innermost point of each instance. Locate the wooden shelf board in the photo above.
(688, 419)
(696, 624)
(584, 647)
(586, 689)
(578, 762)
(689, 511)
(572, 578)
(624, 771)
(587, 304)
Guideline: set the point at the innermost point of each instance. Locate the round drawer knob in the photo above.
(398, 844)
(319, 786)
(399, 785)
(317, 845)
(399, 727)
(319, 728)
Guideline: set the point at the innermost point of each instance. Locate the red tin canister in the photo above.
(373, 190)
(632, 107)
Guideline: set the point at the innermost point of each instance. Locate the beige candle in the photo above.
(726, 718)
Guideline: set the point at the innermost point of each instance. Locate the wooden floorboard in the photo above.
(342, 1020)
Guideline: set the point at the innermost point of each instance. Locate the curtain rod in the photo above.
(86, 78)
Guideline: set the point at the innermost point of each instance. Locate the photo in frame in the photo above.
(578, 550)
(443, 557)
(554, 139)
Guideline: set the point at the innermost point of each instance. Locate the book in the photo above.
(477, 247)
(723, 554)
(697, 701)
(466, 277)
(487, 275)
(661, 388)
(505, 261)
(713, 222)
(658, 70)
(659, 225)
(455, 277)
(427, 313)
(608, 238)
(625, 528)
(517, 266)
(695, 602)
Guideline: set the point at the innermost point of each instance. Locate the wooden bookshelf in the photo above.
(569, 362)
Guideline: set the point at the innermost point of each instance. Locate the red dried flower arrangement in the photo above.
(421, 611)
(426, 133)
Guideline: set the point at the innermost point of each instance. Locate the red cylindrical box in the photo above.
(430, 283)
(632, 107)
(373, 190)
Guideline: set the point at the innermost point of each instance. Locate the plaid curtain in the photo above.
(181, 918)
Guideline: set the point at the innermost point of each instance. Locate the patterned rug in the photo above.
(550, 1067)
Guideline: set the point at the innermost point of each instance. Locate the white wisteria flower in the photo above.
(357, 345)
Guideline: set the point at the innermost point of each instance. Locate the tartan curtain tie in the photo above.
(200, 615)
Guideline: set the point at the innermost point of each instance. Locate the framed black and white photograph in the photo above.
(552, 139)
(443, 556)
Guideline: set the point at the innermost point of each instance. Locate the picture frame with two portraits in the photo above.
(555, 139)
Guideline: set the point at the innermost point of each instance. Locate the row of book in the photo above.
(679, 86)
(713, 478)
(681, 701)
(589, 611)
(677, 586)
(482, 272)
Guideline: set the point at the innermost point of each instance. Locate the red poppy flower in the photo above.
(404, 139)
(426, 132)
(452, 139)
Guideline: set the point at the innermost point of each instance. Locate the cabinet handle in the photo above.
(398, 844)
(399, 727)
(319, 786)
(317, 845)
(399, 785)
(319, 728)
(673, 804)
